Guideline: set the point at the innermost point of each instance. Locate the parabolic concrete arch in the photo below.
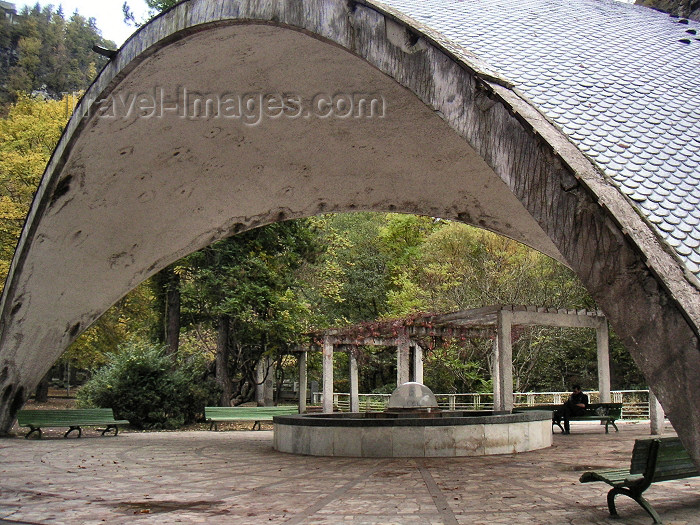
(220, 116)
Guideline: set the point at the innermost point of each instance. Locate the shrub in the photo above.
(151, 389)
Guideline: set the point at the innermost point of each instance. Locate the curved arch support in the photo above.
(177, 144)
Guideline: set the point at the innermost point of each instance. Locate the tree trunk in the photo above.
(166, 288)
(260, 378)
(41, 395)
(172, 311)
(223, 349)
(279, 380)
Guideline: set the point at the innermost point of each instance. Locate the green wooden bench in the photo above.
(74, 419)
(606, 413)
(214, 415)
(659, 459)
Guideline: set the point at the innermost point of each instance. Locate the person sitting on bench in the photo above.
(574, 406)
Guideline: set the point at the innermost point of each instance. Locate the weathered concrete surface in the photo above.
(125, 196)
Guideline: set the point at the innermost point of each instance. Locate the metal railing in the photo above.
(635, 403)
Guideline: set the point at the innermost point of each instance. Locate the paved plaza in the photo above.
(236, 477)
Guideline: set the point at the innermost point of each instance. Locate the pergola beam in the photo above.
(473, 313)
(363, 341)
(558, 319)
(476, 318)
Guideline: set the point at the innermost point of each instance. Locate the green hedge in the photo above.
(151, 389)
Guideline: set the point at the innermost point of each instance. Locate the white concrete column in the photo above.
(603, 361)
(656, 415)
(302, 381)
(496, 375)
(505, 359)
(402, 360)
(354, 382)
(418, 364)
(327, 375)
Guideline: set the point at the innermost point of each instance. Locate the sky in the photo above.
(107, 14)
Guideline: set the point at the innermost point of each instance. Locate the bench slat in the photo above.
(215, 415)
(606, 413)
(608, 476)
(672, 459)
(73, 415)
(72, 418)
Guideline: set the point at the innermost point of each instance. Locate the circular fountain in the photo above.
(413, 426)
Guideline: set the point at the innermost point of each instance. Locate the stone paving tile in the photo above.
(236, 477)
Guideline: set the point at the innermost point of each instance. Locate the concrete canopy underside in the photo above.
(127, 193)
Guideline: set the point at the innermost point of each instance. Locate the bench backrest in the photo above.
(246, 411)
(671, 461)
(605, 409)
(75, 415)
(593, 409)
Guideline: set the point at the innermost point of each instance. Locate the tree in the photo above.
(28, 135)
(686, 8)
(161, 5)
(126, 321)
(245, 289)
(166, 289)
(148, 388)
(349, 281)
(43, 53)
(459, 266)
(156, 6)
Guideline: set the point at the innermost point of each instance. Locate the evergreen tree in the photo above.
(244, 288)
(41, 52)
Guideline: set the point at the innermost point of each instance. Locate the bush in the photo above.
(151, 389)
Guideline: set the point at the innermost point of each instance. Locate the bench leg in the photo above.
(609, 422)
(111, 427)
(71, 429)
(636, 497)
(257, 423)
(33, 429)
(557, 423)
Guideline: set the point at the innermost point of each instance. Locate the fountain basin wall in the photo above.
(447, 434)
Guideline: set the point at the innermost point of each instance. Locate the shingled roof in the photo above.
(621, 81)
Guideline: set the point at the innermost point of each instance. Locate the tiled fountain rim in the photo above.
(348, 419)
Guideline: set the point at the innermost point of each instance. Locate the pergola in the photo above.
(405, 334)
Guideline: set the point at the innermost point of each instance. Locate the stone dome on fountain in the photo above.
(413, 396)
